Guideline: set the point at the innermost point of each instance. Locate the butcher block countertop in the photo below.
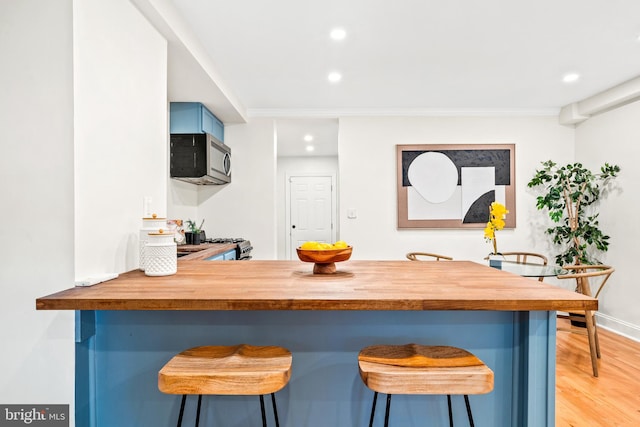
(291, 285)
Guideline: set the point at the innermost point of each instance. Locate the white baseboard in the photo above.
(618, 326)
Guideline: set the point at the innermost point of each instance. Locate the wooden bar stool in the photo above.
(583, 274)
(419, 369)
(227, 370)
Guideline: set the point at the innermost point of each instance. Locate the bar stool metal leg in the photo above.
(373, 408)
(264, 417)
(275, 409)
(198, 413)
(386, 412)
(466, 401)
(184, 399)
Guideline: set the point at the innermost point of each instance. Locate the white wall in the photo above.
(251, 205)
(120, 83)
(613, 137)
(287, 166)
(182, 200)
(246, 206)
(368, 181)
(116, 63)
(36, 193)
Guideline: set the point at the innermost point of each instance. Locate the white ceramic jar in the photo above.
(161, 257)
(149, 225)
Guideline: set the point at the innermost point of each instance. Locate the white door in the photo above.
(311, 211)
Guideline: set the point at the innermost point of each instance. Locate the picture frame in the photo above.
(453, 185)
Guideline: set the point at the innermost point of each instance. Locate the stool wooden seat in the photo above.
(419, 369)
(227, 370)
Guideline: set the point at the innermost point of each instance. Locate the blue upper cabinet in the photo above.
(193, 117)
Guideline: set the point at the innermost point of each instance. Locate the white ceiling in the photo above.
(416, 56)
(291, 133)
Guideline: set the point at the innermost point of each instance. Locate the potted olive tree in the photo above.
(569, 193)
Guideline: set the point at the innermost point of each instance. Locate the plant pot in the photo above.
(495, 261)
(188, 238)
(196, 238)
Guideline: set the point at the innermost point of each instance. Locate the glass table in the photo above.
(531, 270)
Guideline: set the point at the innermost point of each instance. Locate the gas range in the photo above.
(225, 240)
(243, 248)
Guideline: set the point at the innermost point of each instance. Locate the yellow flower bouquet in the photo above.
(497, 214)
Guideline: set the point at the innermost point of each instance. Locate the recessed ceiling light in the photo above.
(571, 77)
(338, 34)
(309, 147)
(334, 77)
(308, 138)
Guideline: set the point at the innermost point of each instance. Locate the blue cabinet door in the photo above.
(225, 256)
(212, 125)
(193, 117)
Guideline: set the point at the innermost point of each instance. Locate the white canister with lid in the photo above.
(149, 225)
(161, 257)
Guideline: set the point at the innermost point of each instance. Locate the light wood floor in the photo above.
(612, 399)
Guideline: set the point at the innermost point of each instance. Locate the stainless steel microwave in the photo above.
(199, 158)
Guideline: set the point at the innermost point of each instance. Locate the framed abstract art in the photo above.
(452, 185)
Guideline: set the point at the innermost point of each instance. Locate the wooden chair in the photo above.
(227, 370)
(419, 369)
(415, 256)
(583, 275)
(526, 258)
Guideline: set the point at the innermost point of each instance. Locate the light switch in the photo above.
(351, 213)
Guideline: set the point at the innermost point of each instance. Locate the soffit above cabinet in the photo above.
(191, 74)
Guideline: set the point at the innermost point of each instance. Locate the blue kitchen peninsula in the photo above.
(128, 328)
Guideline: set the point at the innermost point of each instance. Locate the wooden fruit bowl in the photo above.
(324, 260)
